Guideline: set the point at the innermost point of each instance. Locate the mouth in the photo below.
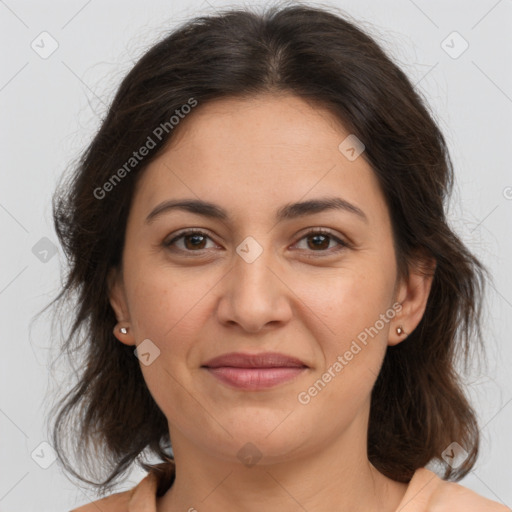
(255, 371)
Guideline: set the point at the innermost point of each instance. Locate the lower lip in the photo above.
(255, 378)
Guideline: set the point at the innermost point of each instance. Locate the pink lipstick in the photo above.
(255, 371)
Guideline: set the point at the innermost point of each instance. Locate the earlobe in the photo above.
(123, 333)
(413, 296)
(398, 333)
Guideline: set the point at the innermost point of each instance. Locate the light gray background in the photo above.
(52, 106)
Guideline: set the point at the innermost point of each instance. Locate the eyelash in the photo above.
(319, 231)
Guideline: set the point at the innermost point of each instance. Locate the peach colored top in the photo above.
(426, 492)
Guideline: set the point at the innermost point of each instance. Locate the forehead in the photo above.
(258, 154)
(269, 123)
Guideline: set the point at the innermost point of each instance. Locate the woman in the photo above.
(266, 279)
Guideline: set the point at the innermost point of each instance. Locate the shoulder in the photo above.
(117, 502)
(429, 493)
(453, 497)
(124, 501)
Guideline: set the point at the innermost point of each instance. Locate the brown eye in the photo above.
(193, 241)
(320, 240)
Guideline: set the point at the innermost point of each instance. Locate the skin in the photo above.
(252, 156)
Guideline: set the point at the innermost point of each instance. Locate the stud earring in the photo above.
(399, 330)
(123, 330)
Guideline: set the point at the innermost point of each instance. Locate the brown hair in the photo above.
(418, 406)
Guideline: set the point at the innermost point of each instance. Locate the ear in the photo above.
(117, 298)
(412, 293)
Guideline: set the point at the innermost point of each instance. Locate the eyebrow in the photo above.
(287, 212)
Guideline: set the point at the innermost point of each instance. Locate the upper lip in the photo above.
(262, 360)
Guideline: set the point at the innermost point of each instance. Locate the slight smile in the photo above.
(255, 371)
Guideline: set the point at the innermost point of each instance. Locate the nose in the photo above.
(255, 295)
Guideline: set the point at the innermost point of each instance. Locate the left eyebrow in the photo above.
(287, 212)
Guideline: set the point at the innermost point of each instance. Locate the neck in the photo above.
(334, 475)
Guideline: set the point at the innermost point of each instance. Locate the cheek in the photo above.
(165, 307)
(350, 331)
(346, 303)
(352, 353)
(163, 300)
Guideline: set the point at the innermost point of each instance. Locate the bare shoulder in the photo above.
(117, 502)
(137, 498)
(453, 497)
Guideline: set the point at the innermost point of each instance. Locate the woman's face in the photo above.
(256, 282)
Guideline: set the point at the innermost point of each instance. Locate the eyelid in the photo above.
(169, 241)
(342, 242)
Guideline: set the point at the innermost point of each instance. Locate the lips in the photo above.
(263, 360)
(254, 372)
